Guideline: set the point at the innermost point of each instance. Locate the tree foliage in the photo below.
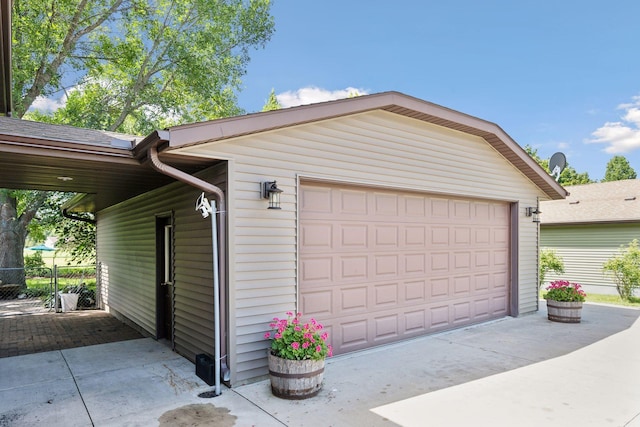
(549, 261)
(131, 66)
(625, 269)
(618, 168)
(134, 66)
(272, 103)
(78, 239)
(569, 175)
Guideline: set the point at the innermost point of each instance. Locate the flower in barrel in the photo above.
(293, 339)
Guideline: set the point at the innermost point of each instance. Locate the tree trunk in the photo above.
(13, 232)
(12, 238)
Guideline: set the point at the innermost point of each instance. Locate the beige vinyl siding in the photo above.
(127, 252)
(376, 149)
(584, 249)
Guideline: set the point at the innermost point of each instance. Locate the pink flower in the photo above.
(288, 313)
(305, 344)
(295, 345)
(297, 328)
(278, 335)
(267, 335)
(325, 336)
(318, 349)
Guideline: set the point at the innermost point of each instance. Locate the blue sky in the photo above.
(559, 75)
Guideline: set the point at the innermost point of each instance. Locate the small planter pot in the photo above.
(564, 311)
(295, 379)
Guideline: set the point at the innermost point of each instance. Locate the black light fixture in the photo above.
(534, 213)
(271, 191)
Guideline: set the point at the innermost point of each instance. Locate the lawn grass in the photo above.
(613, 299)
(608, 299)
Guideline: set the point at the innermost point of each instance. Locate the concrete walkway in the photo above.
(524, 371)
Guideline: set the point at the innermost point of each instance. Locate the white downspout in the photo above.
(216, 295)
(212, 189)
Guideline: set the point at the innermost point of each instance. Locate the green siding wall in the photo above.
(584, 249)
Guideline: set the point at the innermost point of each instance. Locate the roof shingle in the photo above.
(615, 201)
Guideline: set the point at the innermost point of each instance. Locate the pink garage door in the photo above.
(379, 266)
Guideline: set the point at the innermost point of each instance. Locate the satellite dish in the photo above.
(557, 163)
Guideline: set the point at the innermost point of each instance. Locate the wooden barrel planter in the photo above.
(295, 379)
(564, 311)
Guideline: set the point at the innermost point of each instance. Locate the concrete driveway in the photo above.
(524, 371)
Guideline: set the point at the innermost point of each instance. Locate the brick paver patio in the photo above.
(33, 333)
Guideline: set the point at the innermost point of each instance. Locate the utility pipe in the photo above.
(218, 270)
(66, 214)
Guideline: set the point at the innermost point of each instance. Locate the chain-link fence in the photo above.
(76, 280)
(63, 288)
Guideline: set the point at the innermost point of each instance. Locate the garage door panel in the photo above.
(385, 265)
(415, 236)
(353, 236)
(317, 304)
(386, 295)
(317, 269)
(382, 266)
(386, 237)
(415, 291)
(353, 299)
(386, 327)
(353, 268)
(415, 264)
(316, 236)
(415, 322)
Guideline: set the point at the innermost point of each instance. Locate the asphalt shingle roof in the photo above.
(30, 129)
(616, 201)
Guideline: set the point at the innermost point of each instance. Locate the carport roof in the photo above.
(109, 167)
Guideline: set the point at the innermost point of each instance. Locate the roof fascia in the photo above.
(61, 149)
(395, 102)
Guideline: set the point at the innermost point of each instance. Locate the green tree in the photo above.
(125, 65)
(625, 269)
(135, 66)
(618, 168)
(77, 238)
(272, 103)
(569, 175)
(549, 261)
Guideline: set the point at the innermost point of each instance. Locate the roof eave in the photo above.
(395, 102)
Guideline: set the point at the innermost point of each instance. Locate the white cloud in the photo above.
(47, 105)
(312, 95)
(622, 136)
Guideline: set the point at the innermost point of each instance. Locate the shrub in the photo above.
(549, 261)
(34, 261)
(625, 269)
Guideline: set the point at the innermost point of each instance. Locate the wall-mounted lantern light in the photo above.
(271, 191)
(534, 213)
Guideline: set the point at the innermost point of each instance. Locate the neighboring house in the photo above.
(589, 227)
(398, 218)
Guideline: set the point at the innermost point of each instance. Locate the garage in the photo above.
(379, 265)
